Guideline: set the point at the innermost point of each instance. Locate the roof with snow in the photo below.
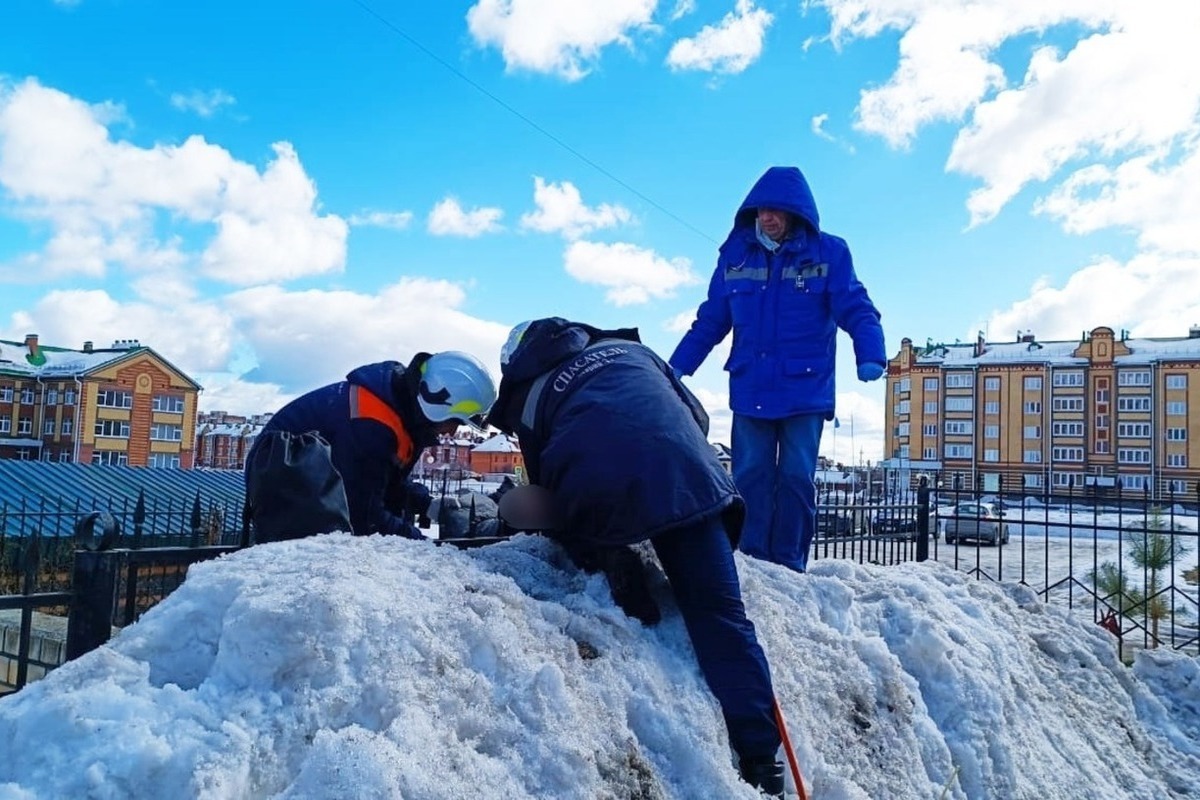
(1056, 353)
(497, 444)
(43, 361)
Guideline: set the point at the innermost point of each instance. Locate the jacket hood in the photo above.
(545, 344)
(378, 379)
(783, 188)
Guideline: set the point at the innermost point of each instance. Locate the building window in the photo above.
(68, 426)
(115, 458)
(960, 380)
(1033, 383)
(1176, 434)
(1072, 429)
(1033, 431)
(991, 407)
(960, 403)
(25, 425)
(161, 432)
(959, 427)
(167, 403)
(64, 456)
(52, 397)
(991, 431)
(1177, 487)
(903, 429)
(27, 397)
(1176, 408)
(931, 384)
(1033, 481)
(904, 451)
(1103, 447)
(1032, 457)
(1133, 455)
(1138, 403)
(114, 398)
(930, 453)
(1072, 378)
(1033, 407)
(1132, 481)
(1133, 377)
(931, 407)
(1177, 460)
(5, 424)
(112, 428)
(1067, 454)
(991, 455)
(1102, 421)
(1133, 430)
(1177, 381)
(929, 430)
(1066, 479)
(991, 384)
(959, 451)
(6, 394)
(905, 385)
(24, 453)
(1068, 404)
(48, 428)
(69, 397)
(164, 461)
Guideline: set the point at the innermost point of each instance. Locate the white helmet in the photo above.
(455, 385)
(513, 342)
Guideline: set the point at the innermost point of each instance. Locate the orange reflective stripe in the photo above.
(365, 404)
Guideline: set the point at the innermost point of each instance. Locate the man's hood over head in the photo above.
(781, 188)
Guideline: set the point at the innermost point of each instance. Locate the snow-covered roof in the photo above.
(1142, 351)
(17, 358)
(497, 444)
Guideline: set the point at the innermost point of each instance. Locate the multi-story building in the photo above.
(223, 440)
(499, 454)
(124, 404)
(1032, 416)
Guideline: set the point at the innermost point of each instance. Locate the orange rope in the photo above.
(791, 754)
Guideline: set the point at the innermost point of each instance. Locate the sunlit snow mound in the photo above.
(342, 667)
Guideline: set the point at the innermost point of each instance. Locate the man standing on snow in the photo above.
(583, 403)
(783, 287)
(338, 458)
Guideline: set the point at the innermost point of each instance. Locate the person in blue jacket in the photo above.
(619, 445)
(784, 287)
(339, 457)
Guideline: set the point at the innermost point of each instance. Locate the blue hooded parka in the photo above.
(784, 308)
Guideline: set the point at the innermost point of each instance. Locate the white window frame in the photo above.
(1133, 430)
(1033, 406)
(991, 383)
(991, 407)
(1068, 378)
(1176, 434)
(1135, 404)
(1133, 455)
(1133, 377)
(1031, 457)
(1033, 383)
(1033, 432)
(1176, 408)
(1177, 381)
(1177, 460)
(931, 384)
(959, 427)
(1067, 454)
(960, 403)
(960, 379)
(1070, 403)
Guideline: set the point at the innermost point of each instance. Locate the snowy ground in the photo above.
(339, 667)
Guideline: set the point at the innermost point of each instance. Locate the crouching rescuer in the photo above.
(339, 457)
(618, 446)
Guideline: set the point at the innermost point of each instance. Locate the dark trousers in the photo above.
(698, 561)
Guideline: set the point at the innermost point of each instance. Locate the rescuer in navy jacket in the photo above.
(360, 436)
(620, 444)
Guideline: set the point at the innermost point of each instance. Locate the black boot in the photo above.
(764, 774)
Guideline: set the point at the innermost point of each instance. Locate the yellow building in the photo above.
(124, 404)
(1032, 416)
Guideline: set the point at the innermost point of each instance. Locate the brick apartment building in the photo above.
(1104, 411)
(124, 404)
(223, 440)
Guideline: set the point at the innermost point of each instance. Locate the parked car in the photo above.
(831, 522)
(899, 523)
(981, 522)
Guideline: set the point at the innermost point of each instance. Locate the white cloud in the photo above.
(305, 339)
(224, 391)
(203, 103)
(1150, 295)
(730, 46)
(1147, 194)
(396, 220)
(562, 37)
(102, 199)
(448, 218)
(818, 127)
(631, 274)
(193, 335)
(682, 9)
(560, 209)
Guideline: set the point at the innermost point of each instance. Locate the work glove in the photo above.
(870, 372)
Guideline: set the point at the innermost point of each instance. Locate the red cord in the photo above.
(791, 754)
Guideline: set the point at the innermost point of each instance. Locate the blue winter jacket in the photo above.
(784, 308)
(616, 438)
(365, 451)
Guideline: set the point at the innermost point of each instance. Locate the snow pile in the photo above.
(340, 667)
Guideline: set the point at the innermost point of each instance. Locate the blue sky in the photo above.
(272, 193)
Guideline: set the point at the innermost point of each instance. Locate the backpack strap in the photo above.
(365, 404)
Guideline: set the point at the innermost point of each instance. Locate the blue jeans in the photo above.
(774, 463)
(698, 562)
